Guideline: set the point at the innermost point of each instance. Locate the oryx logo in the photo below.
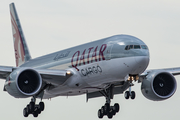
(18, 44)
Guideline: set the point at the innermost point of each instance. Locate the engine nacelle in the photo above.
(158, 85)
(23, 82)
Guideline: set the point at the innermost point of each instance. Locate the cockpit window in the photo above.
(131, 46)
(128, 47)
(144, 47)
(137, 47)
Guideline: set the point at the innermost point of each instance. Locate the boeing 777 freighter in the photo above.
(104, 67)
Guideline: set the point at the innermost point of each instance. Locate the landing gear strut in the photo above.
(33, 108)
(130, 93)
(108, 110)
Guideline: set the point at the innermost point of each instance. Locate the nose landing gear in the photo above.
(130, 93)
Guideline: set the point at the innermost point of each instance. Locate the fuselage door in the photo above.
(108, 51)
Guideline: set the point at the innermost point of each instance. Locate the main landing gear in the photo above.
(33, 108)
(108, 110)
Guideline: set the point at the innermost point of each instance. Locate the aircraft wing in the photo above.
(5, 71)
(55, 77)
(173, 71)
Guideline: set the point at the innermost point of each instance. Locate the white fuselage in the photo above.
(95, 65)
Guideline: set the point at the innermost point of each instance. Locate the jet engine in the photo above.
(23, 82)
(158, 85)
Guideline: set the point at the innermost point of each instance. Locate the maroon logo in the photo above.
(93, 54)
(18, 45)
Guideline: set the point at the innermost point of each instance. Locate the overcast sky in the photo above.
(58, 24)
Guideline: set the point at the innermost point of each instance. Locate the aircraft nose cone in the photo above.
(141, 64)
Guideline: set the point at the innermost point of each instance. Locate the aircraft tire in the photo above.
(110, 115)
(116, 106)
(41, 105)
(35, 113)
(106, 108)
(100, 115)
(25, 113)
(113, 112)
(38, 110)
(126, 95)
(28, 109)
(103, 110)
(31, 106)
(133, 95)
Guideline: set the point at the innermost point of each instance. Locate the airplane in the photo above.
(105, 67)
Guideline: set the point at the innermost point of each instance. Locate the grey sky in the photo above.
(53, 25)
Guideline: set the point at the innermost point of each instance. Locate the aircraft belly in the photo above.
(67, 92)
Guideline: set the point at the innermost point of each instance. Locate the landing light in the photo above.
(137, 77)
(68, 72)
(132, 78)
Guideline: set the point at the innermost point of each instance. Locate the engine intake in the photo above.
(163, 84)
(158, 85)
(23, 82)
(29, 81)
